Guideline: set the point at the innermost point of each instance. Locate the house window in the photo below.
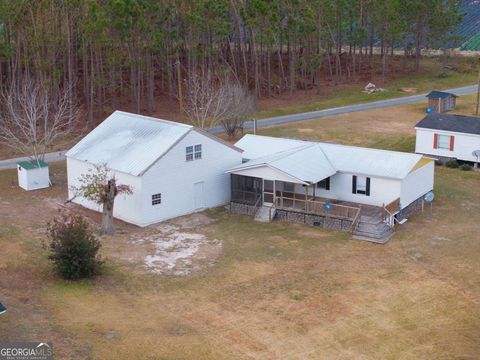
(193, 152)
(324, 184)
(198, 152)
(361, 185)
(189, 153)
(156, 199)
(444, 142)
(288, 187)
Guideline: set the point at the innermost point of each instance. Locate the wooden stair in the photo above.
(265, 214)
(373, 229)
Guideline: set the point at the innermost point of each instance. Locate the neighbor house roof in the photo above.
(455, 123)
(131, 143)
(32, 164)
(292, 162)
(350, 159)
(439, 94)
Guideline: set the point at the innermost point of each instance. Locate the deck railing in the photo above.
(389, 212)
(302, 203)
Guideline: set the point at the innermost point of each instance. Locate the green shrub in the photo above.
(73, 247)
(452, 163)
(465, 167)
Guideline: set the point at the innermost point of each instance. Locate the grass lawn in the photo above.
(277, 291)
(464, 72)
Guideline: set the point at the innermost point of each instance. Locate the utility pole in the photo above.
(478, 93)
(179, 82)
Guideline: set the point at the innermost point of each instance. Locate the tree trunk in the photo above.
(107, 216)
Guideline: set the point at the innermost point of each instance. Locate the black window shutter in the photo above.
(327, 183)
(354, 184)
(367, 192)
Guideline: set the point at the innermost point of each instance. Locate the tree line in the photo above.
(109, 50)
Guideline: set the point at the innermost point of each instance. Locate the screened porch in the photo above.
(289, 196)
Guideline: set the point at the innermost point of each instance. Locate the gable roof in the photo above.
(342, 158)
(455, 123)
(32, 164)
(439, 94)
(131, 143)
(292, 162)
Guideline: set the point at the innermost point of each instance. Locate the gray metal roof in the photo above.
(350, 159)
(448, 122)
(439, 94)
(128, 142)
(292, 162)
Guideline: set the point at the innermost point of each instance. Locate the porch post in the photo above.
(306, 198)
(274, 192)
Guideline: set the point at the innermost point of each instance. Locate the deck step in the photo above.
(372, 228)
(265, 214)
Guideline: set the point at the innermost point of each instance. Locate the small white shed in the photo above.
(33, 174)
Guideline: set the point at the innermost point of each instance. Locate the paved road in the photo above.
(345, 109)
(12, 163)
(60, 155)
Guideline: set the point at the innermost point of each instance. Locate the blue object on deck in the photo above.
(2, 308)
(327, 206)
(429, 110)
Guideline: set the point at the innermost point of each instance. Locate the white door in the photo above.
(199, 195)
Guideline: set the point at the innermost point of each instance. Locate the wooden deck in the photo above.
(315, 205)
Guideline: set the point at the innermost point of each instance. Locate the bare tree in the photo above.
(32, 119)
(239, 106)
(210, 101)
(100, 186)
(202, 106)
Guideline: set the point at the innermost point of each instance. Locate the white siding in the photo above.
(33, 179)
(464, 144)
(175, 178)
(126, 207)
(382, 190)
(417, 183)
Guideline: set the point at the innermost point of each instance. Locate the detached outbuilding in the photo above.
(174, 169)
(440, 101)
(448, 136)
(33, 174)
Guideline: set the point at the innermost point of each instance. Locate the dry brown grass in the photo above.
(278, 291)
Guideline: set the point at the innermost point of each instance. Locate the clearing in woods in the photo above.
(261, 291)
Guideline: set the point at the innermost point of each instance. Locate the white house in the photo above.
(328, 179)
(33, 174)
(174, 169)
(448, 136)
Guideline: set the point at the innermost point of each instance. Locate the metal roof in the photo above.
(32, 164)
(350, 159)
(439, 94)
(292, 162)
(448, 122)
(129, 143)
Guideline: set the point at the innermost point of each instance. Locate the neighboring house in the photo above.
(349, 188)
(440, 101)
(174, 169)
(448, 136)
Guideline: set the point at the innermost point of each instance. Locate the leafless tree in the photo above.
(211, 101)
(239, 106)
(32, 119)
